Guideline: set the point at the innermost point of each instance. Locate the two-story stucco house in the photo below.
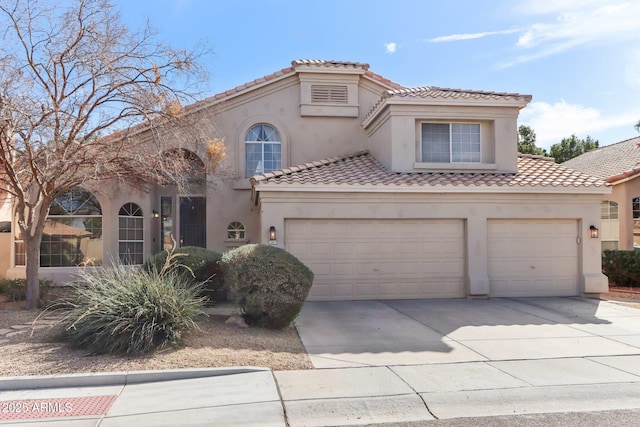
(383, 191)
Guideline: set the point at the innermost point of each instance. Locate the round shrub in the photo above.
(268, 284)
(124, 310)
(198, 265)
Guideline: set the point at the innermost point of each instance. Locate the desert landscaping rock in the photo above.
(30, 350)
(237, 320)
(20, 326)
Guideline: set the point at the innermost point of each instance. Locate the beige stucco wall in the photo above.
(475, 209)
(228, 192)
(623, 194)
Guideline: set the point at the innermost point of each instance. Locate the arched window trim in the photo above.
(263, 149)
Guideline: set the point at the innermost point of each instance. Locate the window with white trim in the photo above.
(131, 234)
(263, 150)
(235, 230)
(450, 143)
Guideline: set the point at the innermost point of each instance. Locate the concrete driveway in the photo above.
(412, 332)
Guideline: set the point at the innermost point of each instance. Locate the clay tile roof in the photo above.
(330, 63)
(440, 92)
(364, 169)
(443, 93)
(611, 163)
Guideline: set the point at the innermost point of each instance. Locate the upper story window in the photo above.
(450, 143)
(263, 150)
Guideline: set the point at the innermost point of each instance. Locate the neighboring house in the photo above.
(384, 191)
(619, 165)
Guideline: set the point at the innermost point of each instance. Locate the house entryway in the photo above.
(193, 221)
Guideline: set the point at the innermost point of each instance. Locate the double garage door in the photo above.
(363, 259)
(380, 259)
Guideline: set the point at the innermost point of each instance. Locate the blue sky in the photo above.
(580, 59)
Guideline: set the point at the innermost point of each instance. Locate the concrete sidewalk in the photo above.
(322, 397)
(202, 397)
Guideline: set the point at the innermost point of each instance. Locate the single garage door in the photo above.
(533, 257)
(380, 259)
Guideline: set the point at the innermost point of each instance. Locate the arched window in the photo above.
(72, 233)
(235, 230)
(263, 150)
(610, 234)
(131, 234)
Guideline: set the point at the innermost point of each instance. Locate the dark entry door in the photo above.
(193, 221)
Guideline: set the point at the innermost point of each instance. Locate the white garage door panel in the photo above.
(380, 259)
(533, 257)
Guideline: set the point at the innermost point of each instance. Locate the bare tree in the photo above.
(68, 76)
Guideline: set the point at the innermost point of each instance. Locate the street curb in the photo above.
(117, 378)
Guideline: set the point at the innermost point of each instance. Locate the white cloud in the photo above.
(391, 47)
(576, 23)
(552, 122)
(563, 25)
(470, 36)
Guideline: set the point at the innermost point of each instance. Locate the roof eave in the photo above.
(363, 188)
(623, 177)
(385, 102)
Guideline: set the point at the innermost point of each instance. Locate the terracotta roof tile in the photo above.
(363, 168)
(330, 63)
(611, 162)
(439, 92)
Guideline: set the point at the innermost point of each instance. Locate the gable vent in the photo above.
(329, 93)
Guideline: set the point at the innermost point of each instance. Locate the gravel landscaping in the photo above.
(216, 345)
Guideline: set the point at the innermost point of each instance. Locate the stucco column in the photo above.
(269, 217)
(477, 265)
(593, 281)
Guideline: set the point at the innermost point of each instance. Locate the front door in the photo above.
(193, 221)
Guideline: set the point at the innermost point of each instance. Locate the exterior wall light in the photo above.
(272, 235)
(155, 214)
(594, 232)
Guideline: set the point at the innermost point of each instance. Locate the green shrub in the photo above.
(198, 265)
(268, 284)
(16, 289)
(622, 267)
(125, 310)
